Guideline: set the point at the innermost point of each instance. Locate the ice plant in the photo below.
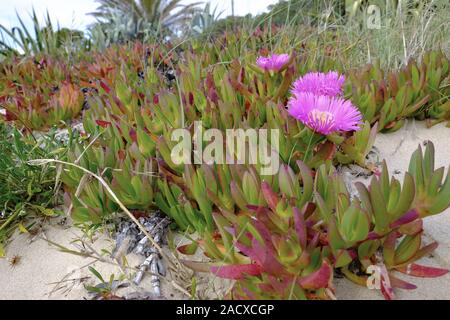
(282, 261)
(318, 83)
(274, 62)
(383, 215)
(432, 185)
(325, 114)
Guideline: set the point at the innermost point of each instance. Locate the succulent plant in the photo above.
(377, 217)
(113, 153)
(414, 91)
(39, 92)
(262, 247)
(278, 236)
(356, 148)
(133, 183)
(270, 262)
(432, 189)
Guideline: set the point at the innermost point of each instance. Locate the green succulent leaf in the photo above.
(354, 224)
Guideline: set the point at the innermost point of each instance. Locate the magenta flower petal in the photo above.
(325, 114)
(275, 62)
(324, 84)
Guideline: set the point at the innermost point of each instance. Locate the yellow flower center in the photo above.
(321, 117)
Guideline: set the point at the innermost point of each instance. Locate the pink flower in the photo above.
(325, 114)
(275, 62)
(325, 84)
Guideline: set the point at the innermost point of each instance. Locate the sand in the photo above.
(42, 265)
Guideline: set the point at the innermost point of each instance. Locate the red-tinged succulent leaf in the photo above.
(133, 135)
(390, 125)
(389, 248)
(325, 152)
(314, 241)
(105, 87)
(264, 233)
(248, 295)
(115, 118)
(268, 218)
(387, 291)
(323, 239)
(102, 123)
(209, 81)
(300, 227)
(121, 155)
(265, 257)
(386, 286)
(373, 236)
(318, 279)
(420, 254)
(401, 284)
(309, 210)
(419, 271)
(166, 172)
(319, 295)
(9, 116)
(409, 217)
(264, 287)
(237, 272)
(426, 250)
(270, 196)
(279, 286)
(411, 228)
(188, 249)
(254, 208)
(353, 253)
(197, 266)
(213, 96)
(245, 250)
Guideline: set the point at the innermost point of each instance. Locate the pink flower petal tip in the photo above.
(275, 62)
(324, 84)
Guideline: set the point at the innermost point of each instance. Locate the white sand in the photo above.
(42, 264)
